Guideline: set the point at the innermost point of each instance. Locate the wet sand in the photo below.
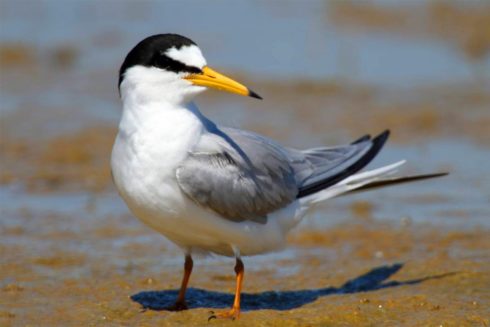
(115, 271)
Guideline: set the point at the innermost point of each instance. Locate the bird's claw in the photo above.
(232, 314)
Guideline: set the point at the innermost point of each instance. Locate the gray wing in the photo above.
(240, 175)
(244, 176)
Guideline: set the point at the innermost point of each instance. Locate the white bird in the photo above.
(213, 189)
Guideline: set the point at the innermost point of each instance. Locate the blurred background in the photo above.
(329, 72)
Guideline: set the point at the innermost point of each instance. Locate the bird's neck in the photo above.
(147, 94)
(157, 114)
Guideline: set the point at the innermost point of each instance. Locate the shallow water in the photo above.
(278, 39)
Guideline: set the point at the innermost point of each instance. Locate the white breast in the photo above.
(151, 143)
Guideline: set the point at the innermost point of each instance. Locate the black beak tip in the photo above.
(254, 95)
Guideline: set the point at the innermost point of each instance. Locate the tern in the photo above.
(212, 189)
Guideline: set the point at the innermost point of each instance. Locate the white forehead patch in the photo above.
(189, 55)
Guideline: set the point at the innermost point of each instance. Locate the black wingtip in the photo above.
(377, 144)
(383, 136)
(364, 138)
(252, 94)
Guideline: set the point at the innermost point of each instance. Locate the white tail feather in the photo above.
(351, 183)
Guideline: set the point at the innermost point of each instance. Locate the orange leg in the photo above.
(180, 303)
(234, 313)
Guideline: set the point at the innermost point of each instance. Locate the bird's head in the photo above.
(171, 67)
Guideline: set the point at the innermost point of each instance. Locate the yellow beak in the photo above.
(211, 78)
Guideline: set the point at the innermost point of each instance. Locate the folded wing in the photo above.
(244, 176)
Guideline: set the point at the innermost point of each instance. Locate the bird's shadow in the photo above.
(277, 300)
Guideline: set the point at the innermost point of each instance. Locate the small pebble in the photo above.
(149, 281)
